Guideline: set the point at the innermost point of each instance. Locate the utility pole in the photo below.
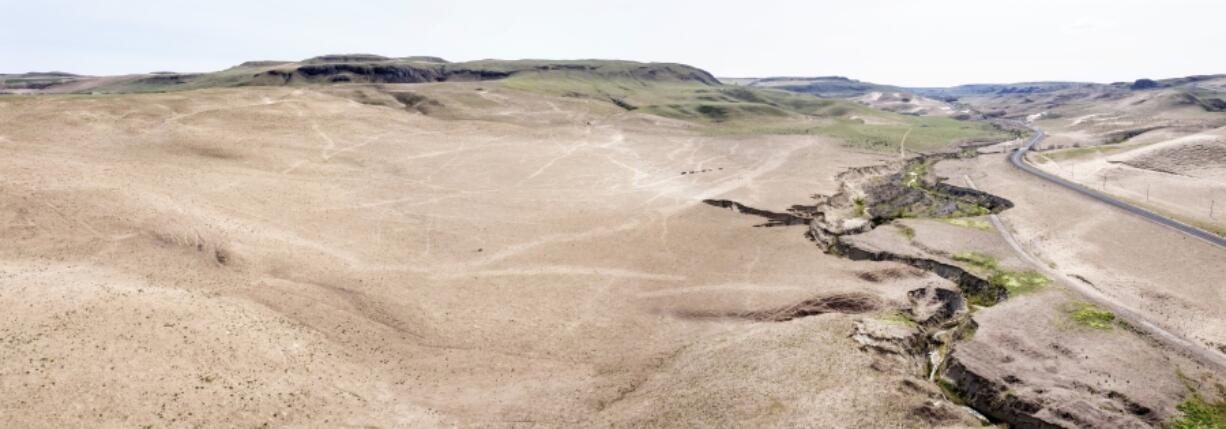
(1147, 192)
(1211, 208)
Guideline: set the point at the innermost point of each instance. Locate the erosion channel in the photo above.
(937, 318)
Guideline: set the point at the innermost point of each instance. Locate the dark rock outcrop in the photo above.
(979, 289)
(381, 73)
(773, 218)
(845, 303)
(1006, 399)
(1143, 84)
(374, 73)
(907, 194)
(332, 69)
(935, 305)
(992, 400)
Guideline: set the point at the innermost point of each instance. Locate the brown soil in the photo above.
(297, 257)
(473, 256)
(1195, 159)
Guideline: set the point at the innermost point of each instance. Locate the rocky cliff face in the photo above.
(874, 196)
(1002, 399)
(377, 73)
(373, 69)
(360, 68)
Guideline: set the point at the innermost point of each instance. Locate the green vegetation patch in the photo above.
(1199, 413)
(1014, 282)
(951, 391)
(905, 231)
(884, 132)
(728, 110)
(1092, 316)
(985, 297)
(968, 223)
(915, 173)
(898, 318)
(979, 260)
(739, 110)
(724, 109)
(862, 127)
(1019, 283)
(970, 210)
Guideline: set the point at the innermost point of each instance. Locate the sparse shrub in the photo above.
(1087, 314)
(906, 231)
(970, 210)
(714, 113)
(969, 223)
(1018, 283)
(1015, 282)
(859, 203)
(622, 104)
(837, 111)
(1199, 413)
(744, 94)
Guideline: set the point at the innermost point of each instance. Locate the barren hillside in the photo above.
(564, 244)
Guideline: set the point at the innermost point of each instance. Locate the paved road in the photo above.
(1018, 158)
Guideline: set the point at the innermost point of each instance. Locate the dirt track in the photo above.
(296, 257)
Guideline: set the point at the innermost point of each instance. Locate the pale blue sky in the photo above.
(911, 42)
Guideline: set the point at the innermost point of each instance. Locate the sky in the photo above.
(902, 42)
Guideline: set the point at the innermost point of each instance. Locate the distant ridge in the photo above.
(824, 86)
(844, 87)
(351, 68)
